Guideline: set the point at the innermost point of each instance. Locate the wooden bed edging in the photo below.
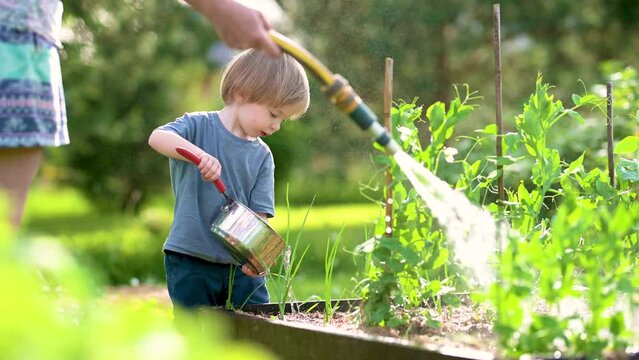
(290, 340)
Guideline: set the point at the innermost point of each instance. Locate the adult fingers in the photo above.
(265, 42)
(269, 46)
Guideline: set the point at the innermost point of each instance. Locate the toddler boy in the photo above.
(259, 93)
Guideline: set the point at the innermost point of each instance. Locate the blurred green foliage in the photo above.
(53, 310)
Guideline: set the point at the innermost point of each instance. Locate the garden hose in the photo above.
(339, 92)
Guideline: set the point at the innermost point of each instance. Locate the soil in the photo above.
(461, 327)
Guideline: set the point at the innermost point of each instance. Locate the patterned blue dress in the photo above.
(32, 107)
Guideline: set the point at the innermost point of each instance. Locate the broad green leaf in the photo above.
(474, 168)
(489, 129)
(396, 322)
(576, 116)
(441, 258)
(531, 150)
(576, 99)
(395, 265)
(451, 299)
(590, 98)
(628, 170)
(604, 189)
(411, 256)
(575, 165)
(392, 244)
(436, 115)
(434, 287)
(617, 323)
(522, 193)
(629, 144)
(511, 142)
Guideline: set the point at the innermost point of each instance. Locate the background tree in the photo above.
(129, 66)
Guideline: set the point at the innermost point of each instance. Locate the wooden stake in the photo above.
(498, 120)
(388, 104)
(609, 126)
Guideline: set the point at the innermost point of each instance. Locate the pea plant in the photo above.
(567, 274)
(329, 266)
(413, 266)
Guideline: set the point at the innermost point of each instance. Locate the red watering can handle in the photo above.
(196, 160)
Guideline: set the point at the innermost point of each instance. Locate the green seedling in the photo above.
(329, 264)
(229, 304)
(290, 265)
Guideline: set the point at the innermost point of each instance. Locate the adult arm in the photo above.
(239, 26)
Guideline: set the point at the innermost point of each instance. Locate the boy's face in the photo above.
(257, 120)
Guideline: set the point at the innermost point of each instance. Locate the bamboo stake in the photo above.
(498, 144)
(498, 108)
(609, 126)
(388, 103)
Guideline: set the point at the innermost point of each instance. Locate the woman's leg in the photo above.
(18, 167)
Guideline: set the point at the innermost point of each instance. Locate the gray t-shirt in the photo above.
(247, 172)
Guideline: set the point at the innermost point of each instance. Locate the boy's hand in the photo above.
(210, 167)
(249, 271)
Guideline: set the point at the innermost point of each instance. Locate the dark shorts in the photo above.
(193, 283)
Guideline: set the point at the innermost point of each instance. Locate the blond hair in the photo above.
(262, 79)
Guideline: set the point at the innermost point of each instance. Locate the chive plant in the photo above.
(282, 281)
(229, 304)
(329, 265)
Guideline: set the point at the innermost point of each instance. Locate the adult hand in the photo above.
(239, 26)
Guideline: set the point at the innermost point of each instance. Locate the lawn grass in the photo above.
(65, 214)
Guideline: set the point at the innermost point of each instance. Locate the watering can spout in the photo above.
(339, 92)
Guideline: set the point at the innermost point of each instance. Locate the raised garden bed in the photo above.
(302, 335)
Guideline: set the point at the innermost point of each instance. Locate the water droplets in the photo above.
(470, 230)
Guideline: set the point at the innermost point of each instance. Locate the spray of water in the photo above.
(470, 230)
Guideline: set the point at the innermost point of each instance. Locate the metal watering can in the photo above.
(246, 235)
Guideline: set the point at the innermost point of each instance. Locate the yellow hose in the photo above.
(307, 59)
(340, 93)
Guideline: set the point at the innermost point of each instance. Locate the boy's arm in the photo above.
(165, 143)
